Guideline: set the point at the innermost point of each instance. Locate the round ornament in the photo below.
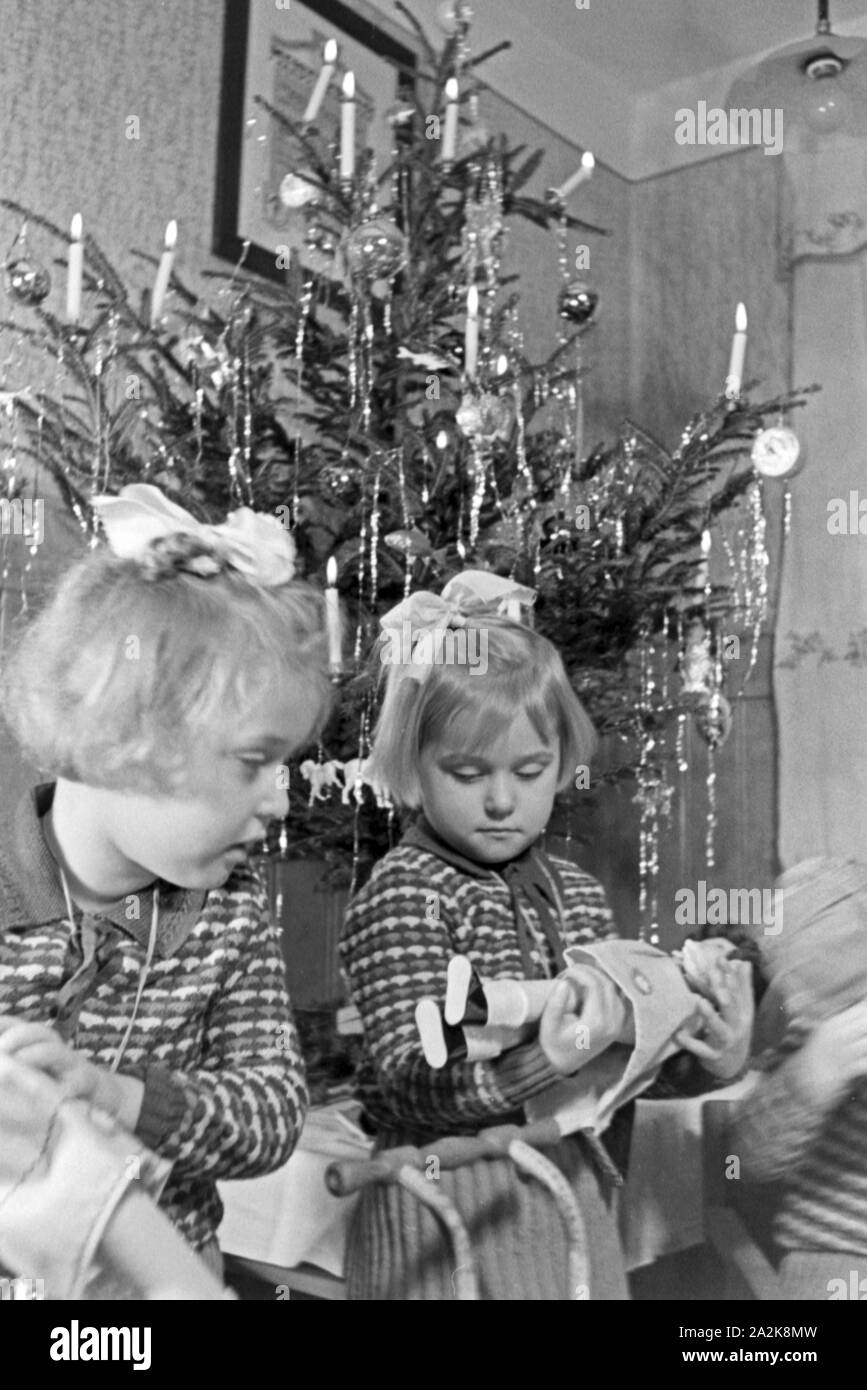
(376, 249)
(26, 280)
(713, 719)
(577, 302)
(486, 416)
(296, 191)
(777, 452)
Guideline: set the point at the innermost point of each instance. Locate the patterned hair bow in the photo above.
(252, 543)
(414, 622)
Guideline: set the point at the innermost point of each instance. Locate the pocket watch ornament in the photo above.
(777, 452)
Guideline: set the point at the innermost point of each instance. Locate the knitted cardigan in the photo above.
(213, 1038)
(419, 908)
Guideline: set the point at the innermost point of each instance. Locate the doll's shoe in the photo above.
(429, 1022)
(459, 981)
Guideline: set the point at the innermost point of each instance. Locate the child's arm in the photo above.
(396, 954)
(243, 1108)
(779, 1122)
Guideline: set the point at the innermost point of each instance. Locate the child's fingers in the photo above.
(19, 1035)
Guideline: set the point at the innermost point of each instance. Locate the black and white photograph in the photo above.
(433, 664)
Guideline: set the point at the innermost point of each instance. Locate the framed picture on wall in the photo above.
(277, 54)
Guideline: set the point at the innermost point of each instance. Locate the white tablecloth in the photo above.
(289, 1217)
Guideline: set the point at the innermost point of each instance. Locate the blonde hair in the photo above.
(121, 671)
(524, 673)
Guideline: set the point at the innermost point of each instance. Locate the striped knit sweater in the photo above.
(818, 1157)
(415, 912)
(213, 1039)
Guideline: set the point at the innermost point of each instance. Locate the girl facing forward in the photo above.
(478, 750)
(162, 690)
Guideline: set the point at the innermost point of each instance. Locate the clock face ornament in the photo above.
(777, 452)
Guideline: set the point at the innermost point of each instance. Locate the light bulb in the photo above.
(826, 105)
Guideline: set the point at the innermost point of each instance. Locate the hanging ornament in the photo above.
(26, 280)
(713, 719)
(777, 452)
(409, 541)
(320, 240)
(296, 191)
(696, 663)
(577, 302)
(486, 416)
(376, 249)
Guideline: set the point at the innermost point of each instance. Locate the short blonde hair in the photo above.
(524, 673)
(120, 672)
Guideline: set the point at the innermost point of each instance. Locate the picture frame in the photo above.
(276, 53)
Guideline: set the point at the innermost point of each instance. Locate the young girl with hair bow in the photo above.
(161, 690)
(476, 738)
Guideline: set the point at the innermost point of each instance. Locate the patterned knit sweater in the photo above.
(819, 1157)
(213, 1038)
(414, 913)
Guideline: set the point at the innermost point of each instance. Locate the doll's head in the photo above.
(174, 695)
(483, 752)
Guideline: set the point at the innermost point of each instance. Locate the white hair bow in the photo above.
(253, 543)
(417, 619)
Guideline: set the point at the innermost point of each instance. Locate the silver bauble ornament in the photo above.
(577, 302)
(26, 280)
(376, 249)
(713, 719)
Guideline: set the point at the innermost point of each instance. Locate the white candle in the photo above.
(347, 127)
(450, 134)
(471, 340)
(164, 271)
(76, 270)
(704, 567)
(584, 171)
(739, 352)
(326, 72)
(332, 618)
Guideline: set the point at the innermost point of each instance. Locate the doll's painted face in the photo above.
(195, 838)
(491, 803)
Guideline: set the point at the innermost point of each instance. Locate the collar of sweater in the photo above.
(30, 884)
(531, 868)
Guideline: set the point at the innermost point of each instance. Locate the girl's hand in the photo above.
(584, 1015)
(833, 1057)
(28, 1103)
(727, 1030)
(42, 1048)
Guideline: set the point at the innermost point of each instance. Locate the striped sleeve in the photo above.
(396, 952)
(245, 1104)
(774, 1129)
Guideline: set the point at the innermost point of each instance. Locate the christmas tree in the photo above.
(380, 403)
